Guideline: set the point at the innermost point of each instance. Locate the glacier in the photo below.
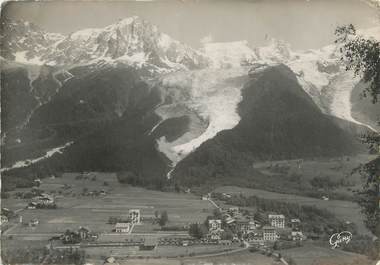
(204, 84)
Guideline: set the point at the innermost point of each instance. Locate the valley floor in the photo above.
(77, 206)
(344, 210)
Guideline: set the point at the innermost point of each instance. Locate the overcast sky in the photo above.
(304, 23)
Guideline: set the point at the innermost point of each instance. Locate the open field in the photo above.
(338, 170)
(76, 210)
(241, 258)
(313, 255)
(344, 210)
(158, 252)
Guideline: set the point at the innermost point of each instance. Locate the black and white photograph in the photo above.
(190, 132)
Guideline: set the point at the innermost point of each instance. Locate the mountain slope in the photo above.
(111, 94)
(133, 40)
(278, 121)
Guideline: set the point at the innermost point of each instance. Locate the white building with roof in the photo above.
(269, 233)
(123, 227)
(135, 216)
(277, 220)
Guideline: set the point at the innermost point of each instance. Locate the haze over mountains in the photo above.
(128, 97)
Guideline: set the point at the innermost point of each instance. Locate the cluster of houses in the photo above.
(43, 200)
(271, 229)
(82, 234)
(134, 218)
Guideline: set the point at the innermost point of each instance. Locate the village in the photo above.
(122, 222)
(228, 228)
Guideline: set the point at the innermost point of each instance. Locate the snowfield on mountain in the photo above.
(205, 85)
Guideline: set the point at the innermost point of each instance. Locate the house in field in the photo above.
(297, 236)
(135, 216)
(34, 222)
(269, 233)
(37, 182)
(254, 235)
(233, 211)
(123, 227)
(214, 224)
(295, 224)
(205, 197)
(277, 220)
(44, 200)
(226, 195)
(83, 232)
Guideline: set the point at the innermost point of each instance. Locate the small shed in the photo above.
(150, 243)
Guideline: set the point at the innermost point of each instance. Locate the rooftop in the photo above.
(276, 216)
(122, 225)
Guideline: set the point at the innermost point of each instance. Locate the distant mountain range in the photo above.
(130, 98)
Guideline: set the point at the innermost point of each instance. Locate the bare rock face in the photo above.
(131, 39)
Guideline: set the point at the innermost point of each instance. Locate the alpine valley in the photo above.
(128, 98)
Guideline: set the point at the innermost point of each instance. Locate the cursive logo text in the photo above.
(338, 238)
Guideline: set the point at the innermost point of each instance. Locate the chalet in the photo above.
(255, 223)
(297, 236)
(325, 198)
(295, 224)
(205, 198)
(37, 182)
(277, 220)
(214, 224)
(44, 200)
(83, 232)
(34, 222)
(31, 205)
(254, 236)
(233, 210)
(135, 216)
(226, 195)
(269, 233)
(123, 227)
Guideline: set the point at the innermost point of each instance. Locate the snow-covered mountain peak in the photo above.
(131, 37)
(228, 54)
(276, 51)
(25, 40)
